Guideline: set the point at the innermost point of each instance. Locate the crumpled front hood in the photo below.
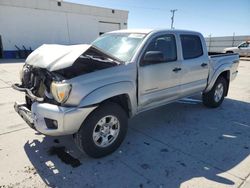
(55, 57)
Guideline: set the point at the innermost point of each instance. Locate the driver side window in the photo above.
(166, 44)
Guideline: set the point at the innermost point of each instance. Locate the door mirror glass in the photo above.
(152, 57)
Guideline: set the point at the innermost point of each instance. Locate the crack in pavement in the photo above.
(5, 87)
(16, 130)
(244, 180)
(5, 82)
(5, 103)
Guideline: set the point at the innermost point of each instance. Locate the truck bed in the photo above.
(219, 59)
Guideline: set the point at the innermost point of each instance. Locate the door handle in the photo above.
(204, 64)
(176, 69)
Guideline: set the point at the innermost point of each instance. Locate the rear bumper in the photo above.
(53, 120)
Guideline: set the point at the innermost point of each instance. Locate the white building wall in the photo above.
(34, 22)
(31, 28)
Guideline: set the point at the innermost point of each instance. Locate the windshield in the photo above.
(120, 45)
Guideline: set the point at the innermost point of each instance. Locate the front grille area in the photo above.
(32, 80)
(27, 77)
(36, 83)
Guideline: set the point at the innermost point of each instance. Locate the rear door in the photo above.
(157, 81)
(195, 65)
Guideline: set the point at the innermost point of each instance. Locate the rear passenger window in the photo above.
(191, 46)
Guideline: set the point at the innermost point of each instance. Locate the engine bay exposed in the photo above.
(92, 60)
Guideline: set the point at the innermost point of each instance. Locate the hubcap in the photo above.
(218, 92)
(106, 131)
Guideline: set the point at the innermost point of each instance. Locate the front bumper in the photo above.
(53, 120)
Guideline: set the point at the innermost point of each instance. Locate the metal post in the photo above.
(172, 18)
(233, 39)
(209, 45)
(1, 47)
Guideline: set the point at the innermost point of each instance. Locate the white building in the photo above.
(31, 23)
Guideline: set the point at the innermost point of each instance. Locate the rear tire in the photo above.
(216, 95)
(94, 136)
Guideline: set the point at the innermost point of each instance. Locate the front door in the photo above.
(159, 81)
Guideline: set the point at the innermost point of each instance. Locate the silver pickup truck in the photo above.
(90, 91)
(242, 49)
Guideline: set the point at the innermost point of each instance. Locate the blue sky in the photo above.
(215, 17)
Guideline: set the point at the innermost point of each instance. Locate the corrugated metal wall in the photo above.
(217, 44)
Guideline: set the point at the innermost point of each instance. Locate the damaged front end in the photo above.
(36, 84)
(44, 82)
(47, 81)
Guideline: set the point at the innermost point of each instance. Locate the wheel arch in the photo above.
(122, 93)
(223, 72)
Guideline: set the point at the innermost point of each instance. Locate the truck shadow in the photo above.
(165, 147)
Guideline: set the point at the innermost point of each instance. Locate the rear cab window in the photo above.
(191, 46)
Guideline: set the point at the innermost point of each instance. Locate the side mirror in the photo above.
(153, 57)
(239, 47)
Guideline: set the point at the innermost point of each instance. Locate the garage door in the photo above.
(108, 26)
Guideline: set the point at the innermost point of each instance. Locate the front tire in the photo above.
(103, 131)
(216, 95)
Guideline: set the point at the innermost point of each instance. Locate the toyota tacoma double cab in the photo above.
(90, 91)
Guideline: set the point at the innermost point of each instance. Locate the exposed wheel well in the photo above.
(124, 101)
(226, 76)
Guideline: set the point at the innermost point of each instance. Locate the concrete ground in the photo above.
(183, 144)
